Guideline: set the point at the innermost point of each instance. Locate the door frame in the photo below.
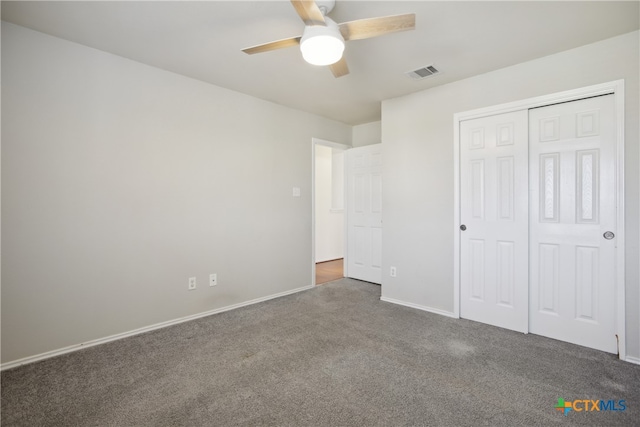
(617, 89)
(326, 143)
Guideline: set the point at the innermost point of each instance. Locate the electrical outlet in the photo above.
(192, 283)
(392, 272)
(213, 279)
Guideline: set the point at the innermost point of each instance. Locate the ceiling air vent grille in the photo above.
(423, 72)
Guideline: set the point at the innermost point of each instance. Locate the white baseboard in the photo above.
(631, 359)
(92, 343)
(420, 307)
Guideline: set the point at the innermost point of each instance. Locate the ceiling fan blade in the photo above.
(340, 68)
(278, 44)
(374, 27)
(309, 12)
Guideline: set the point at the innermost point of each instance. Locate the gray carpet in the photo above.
(336, 356)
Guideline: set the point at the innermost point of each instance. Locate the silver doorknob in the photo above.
(609, 235)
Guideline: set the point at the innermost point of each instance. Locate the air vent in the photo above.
(423, 72)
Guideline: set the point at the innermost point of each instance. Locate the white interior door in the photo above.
(573, 190)
(364, 213)
(494, 217)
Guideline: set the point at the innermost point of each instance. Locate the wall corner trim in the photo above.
(92, 343)
(420, 307)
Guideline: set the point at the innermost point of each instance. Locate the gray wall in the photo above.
(367, 134)
(417, 136)
(120, 181)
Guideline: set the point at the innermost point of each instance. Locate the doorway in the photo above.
(539, 206)
(356, 195)
(328, 200)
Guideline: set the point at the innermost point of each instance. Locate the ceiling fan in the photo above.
(322, 42)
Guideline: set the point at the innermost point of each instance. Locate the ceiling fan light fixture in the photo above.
(322, 42)
(322, 45)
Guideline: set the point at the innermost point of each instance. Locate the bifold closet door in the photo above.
(573, 222)
(494, 220)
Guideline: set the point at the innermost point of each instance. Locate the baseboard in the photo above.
(420, 307)
(92, 343)
(631, 359)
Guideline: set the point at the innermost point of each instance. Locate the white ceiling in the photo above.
(203, 39)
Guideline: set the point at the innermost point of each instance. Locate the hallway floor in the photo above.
(328, 271)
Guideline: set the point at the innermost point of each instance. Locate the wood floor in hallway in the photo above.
(329, 270)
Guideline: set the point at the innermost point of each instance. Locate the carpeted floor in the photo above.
(334, 355)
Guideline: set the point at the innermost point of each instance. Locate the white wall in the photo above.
(329, 222)
(417, 136)
(120, 181)
(367, 134)
(337, 179)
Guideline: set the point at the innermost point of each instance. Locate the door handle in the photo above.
(463, 227)
(608, 235)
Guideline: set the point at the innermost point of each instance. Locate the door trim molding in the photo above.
(326, 143)
(617, 89)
